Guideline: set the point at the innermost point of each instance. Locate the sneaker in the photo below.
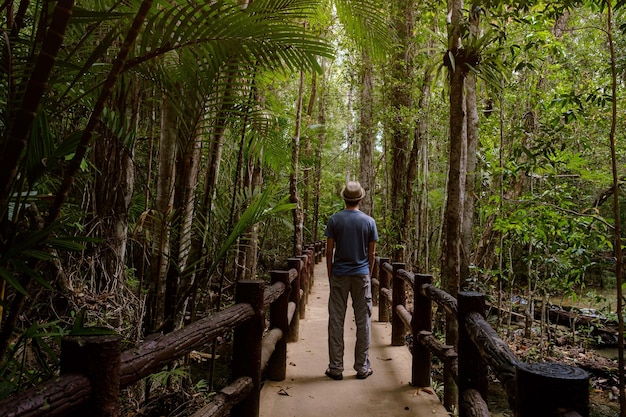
(363, 375)
(335, 376)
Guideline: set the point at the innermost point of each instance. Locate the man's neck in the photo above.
(353, 208)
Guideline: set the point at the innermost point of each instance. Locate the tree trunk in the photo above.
(293, 182)
(250, 246)
(366, 129)
(472, 147)
(321, 137)
(421, 154)
(401, 102)
(456, 185)
(214, 156)
(308, 171)
(619, 267)
(164, 204)
(114, 184)
(180, 274)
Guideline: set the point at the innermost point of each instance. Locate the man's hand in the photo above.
(330, 246)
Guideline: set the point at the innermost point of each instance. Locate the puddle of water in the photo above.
(590, 300)
(607, 352)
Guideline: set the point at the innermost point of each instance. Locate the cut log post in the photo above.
(473, 404)
(383, 302)
(472, 367)
(318, 252)
(547, 389)
(98, 358)
(310, 258)
(294, 296)
(305, 281)
(375, 282)
(422, 312)
(398, 329)
(277, 365)
(247, 346)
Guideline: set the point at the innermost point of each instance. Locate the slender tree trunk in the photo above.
(250, 243)
(217, 143)
(401, 102)
(214, 156)
(321, 137)
(456, 185)
(293, 182)
(472, 148)
(366, 130)
(619, 264)
(164, 205)
(189, 171)
(308, 170)
(418, 170)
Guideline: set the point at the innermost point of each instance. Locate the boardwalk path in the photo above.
(307, 392)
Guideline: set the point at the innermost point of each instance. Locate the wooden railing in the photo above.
(534, 390)
(93, 369)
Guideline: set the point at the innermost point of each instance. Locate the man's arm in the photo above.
(371, 251)
(330, 245)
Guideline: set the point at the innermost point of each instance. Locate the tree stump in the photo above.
(548, 389)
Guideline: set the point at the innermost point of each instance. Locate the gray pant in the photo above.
(359, 287)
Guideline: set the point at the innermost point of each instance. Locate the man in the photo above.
(351, 241)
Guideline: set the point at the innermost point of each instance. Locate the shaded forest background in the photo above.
(153, 153)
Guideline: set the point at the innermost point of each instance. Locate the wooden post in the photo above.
(398, 329)
(318, 252)
(472, 368)
(305, 283)
(421, 321)
(383, 305)
(294, 296)
(98, 358)
(247, 346)
(373, 277)
(277, 365)
(548, 389)
(310, 265)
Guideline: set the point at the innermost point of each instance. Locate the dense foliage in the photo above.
(146, 151)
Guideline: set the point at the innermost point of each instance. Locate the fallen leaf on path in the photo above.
(283, 392)
(425, 389)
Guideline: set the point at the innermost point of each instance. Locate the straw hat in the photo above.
(353, 192)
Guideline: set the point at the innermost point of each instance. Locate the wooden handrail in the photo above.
(70, 392)
(493, 350)
(479, 344)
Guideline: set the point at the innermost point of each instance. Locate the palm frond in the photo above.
(261, 205)
(267, 34)
(365, 22)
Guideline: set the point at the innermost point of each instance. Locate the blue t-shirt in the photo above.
(352, 231)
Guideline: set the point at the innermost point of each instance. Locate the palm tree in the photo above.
(263, 35)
